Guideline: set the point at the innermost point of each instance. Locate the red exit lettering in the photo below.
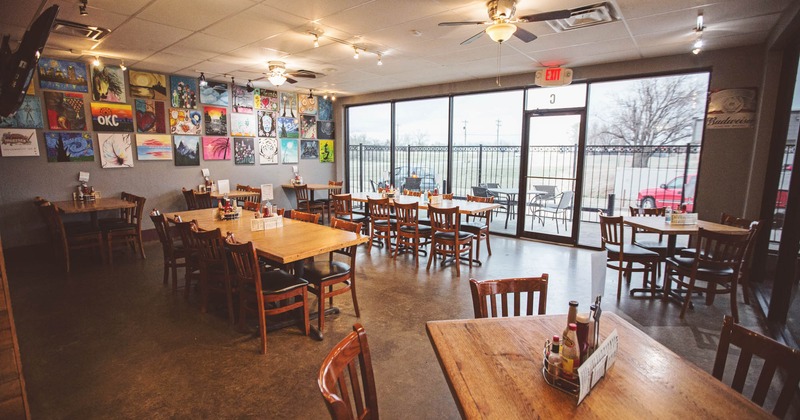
(552, 74)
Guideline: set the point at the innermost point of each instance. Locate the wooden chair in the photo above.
(447, 239)
(250, 205)
(241, 187)
(306, 217)
(327, 279)
(128, 230)
(381, 225)
(253, 198)
(188, 195)
(478, 224)
(67, 240)
(124, 213)
(648, 242)
(335, 187)
(203, 200)
(622, 256)
(343, 209)
(304, 203)
(776, 356)
(410, 235)
(520, 288)
(411, 193)
(266, 293)
(190, 242)
(215, 274)
(175, 256)
(339, 368)
(447, 196)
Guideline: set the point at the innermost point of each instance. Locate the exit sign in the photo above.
(553, 76)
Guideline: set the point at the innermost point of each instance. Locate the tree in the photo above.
(659, 111)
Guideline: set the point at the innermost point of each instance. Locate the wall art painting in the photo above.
(268, 151)
(288, 105)
(244, 152)
(187, 150)
(150, 116)
(325, 109)
(216, 148)
(289, 151)
(184, 121)
(307, 104)
(243, 125)
(108, 84)
(64, 111)
(18, 142)
(69, 147)
(325, 130)
(154, 147)
(326, 151)
(112, 117)
(147, 85)
(288, 128)
(29, 115)
(214, 93)
(266, 99)
(266, 123)
(115, 150)
(242, 100)
(183, 92)
(216, 120)
(62, 75)
(308, 127)
(309, 149)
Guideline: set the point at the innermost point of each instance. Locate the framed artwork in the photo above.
(216, 148)
(112, 117)
(214, 93)
(184, 121)
(29, 115)
(216, 120)
(64, 111)
(289, 151)
(69, 147)
(288, 105)
(307, 104)
(268, 151)
(242, 100)
(187, 150)
(244, 152)
(63, 75)
(154, 147)
(147, 85)
(108, 84)
(308, 127)
(325, 109)
(287, 128)
(266, 99)
(18, 142)
(266, 123)
(309, 149)
(115, 150)
(325, 130)
(150, 116)
(183, 92)
(326, 151)
(243, 125)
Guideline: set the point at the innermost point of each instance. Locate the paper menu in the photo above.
(598, 266)
(266, 192)
(595, 367)
(223, 186)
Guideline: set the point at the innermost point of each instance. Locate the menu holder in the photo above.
(589, 373)
(684, 219)
(436, 199)
(265, 223)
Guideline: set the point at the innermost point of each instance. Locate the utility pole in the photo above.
(499, 123)
(465, 132)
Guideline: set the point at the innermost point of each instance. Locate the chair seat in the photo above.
(276, 282)
(631, 251)
(424, 221)
(658, 246)
(473, 226)
(421, 229)
(385, 223)
(450, 236)
(80, 229)
(321, 271)
(119, 226)
(687, 263)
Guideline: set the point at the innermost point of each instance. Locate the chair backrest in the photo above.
(245, 263)
(775, 355)
(372, 185)
(253, 198)
(412, 183)
(731, 220)
(351, 250)
(485, 215)
(480, 192)
(447, 196)
(342, 206)
(346, 380)
(444, 219)
(549, 190)
(188, 195)
(721, 250)
(250, 205)
(565, 201)
(203, 200)
(186, 231)
(305, 217)
(136, 213)
(162, 228)
(212, 246)
(655, 211)
(335, 187)
(407, 215)
(54, 223)
(413, 193)
(492, 185)
(378, 209)
(484, 291)
(611, 230)
(301, 194)
(240, 187)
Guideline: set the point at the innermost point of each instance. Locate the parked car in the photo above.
(427, 175)
(669, 194)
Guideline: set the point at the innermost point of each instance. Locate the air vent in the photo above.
(584, 16)
(79, 30)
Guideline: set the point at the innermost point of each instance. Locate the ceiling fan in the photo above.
(278, 74)
(502, 24)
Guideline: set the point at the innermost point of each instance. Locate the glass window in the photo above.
(572, 96)
(421, 143)
(369, 151)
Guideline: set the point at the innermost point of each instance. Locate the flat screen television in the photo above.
(16, 69)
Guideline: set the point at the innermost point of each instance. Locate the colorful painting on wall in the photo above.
(150, 116)
(266, 123)
(268, 151)
(154, 147)
(64, 111)
(183, 92)
(266, 99)
(115, 150)
(112, 117)
(308, 105)
(62, 75)
(325, 109)
(325, 130)
(243, 125)
(187, 150)
(148, 85)
(214, 93)
(289, 151)
(17, 142)
(108, 84)
(309, 149)
(69, 147)
(216, 120)
(216, 148)
(242, 100)
(326, 151)
(288, 105)
(244, 152)
(308, 127)
(287, 128)
(184, 121)
(29, 115)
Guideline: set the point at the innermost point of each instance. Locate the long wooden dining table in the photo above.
(494, 370)
(464, 207)
(658, 224)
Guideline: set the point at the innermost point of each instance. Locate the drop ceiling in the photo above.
(239, 37)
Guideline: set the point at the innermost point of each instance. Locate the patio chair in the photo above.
(412, 183)
(562, 206)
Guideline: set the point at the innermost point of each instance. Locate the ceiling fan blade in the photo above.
(472, 38)
(302, 74)
(538, 17)
(290, 80)
(462, 23)
(524, 35)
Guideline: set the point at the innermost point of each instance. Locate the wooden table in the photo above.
(493, 367)
(92, 207)
(464, 207)
(236, 195)
(658, 224)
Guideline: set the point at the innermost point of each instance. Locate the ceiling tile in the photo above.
(255, 23)
(202, 46)
(195, 15)
(376, 14)
(141, 34)
(313, 10)
(127, 7)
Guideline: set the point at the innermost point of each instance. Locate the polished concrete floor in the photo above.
(113, 342)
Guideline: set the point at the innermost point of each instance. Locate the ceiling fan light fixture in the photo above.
(501, 32)
(276, 79)
(249, 86)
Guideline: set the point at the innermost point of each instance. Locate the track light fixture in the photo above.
(333, 97)
(202, 79)
(380, 60)
(697, 47)
(233, 82)
(316, 41)
(355, 55)
(310, 94)
(82, 8)
(357, 48)
(249, 86)
(96, 61)
(122, 65)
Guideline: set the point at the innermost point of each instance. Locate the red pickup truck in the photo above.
(669, 194)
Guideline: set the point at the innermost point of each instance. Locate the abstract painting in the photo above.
(183, 92)
(29, 115)
(108, 84)
(148, 85)
(214, 93)
(326, 151)
(308, 105)
(64, 111)
(309, 149)
(244, 152)
(266, 123)
(325, 111)
(287, 127)
(216, 148)
(268, 151)
(184, 121)
(308, 127)
(242, 100)
(289, 151)
(288, 105)
(16, 142)
(216, 120)
(115, 150)
(325, 130)
(266, 99)
(62, 75)
(243, 125)
(150, 116)
(154, 147)
(187, 150)
(69, 147)
(112, 117)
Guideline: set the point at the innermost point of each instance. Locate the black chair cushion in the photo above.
(686, 264)
(631, 251)
(473, 226)
(422, 229)
(424, 221)
(450, 236)
(275, 282)
(321, 271)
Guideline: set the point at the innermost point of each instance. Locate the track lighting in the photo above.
(96, 61)
(316, 41)
(325, 96)
(698, 29)
(380, 60)
(122, 65)
(310, 94)
(355, 55)
(249, 86)
(333, 97)
(202, 79)
(82, 8)
(233, 82)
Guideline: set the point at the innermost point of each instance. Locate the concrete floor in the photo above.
(113, 342)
